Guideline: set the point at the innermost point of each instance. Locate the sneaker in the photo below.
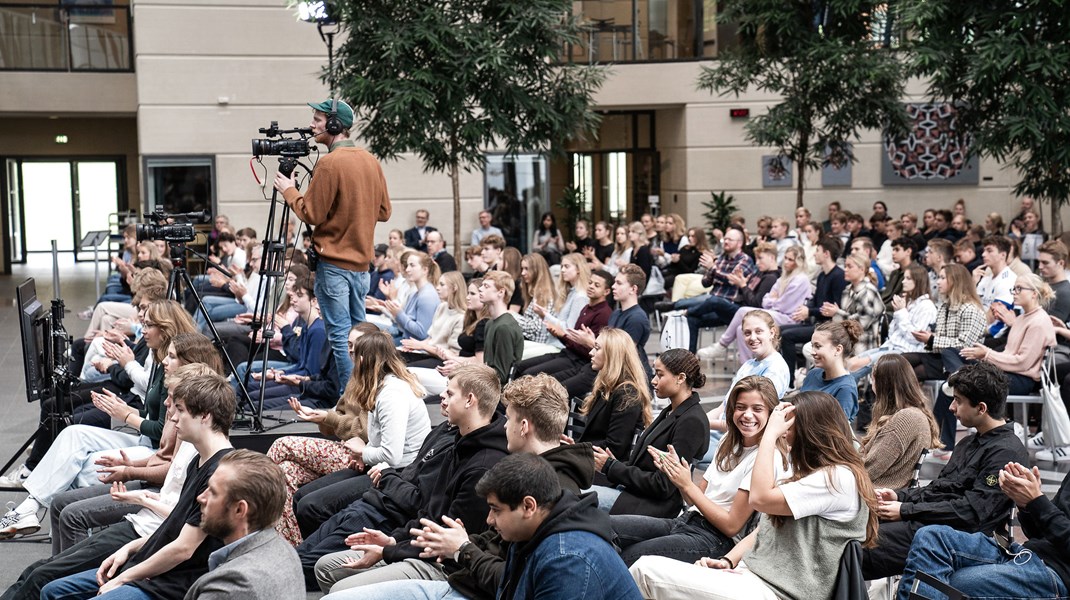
(15, 525)
(1036, 442)
(1019, 431)
(1062, 454)
(714, 351)
(941, 455)
(15, 479)
(86, 314)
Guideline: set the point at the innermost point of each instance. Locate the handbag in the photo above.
(1055, 422)
(655, 286)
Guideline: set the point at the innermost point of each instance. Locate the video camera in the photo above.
(176, 228)
(284, 146)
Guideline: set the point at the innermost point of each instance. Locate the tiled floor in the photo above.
(18, 418)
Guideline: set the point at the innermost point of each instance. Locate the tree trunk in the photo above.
(1055, 228)
(455, 180)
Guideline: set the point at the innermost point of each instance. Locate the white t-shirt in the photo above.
(813, 495)
(996, 287)
(145, 521)
(721, 487)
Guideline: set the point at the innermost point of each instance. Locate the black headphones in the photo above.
(334, 124)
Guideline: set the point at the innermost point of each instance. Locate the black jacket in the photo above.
(610, 426)
(481, 563)
(118, 374)
(646, 490)
(445, 261)
(752, 295)
(966, 494)
(322, 388)
(401, 494)
(1047, 523)
(454, 491)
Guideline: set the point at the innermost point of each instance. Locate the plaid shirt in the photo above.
(863, 305)
(717, 277)
(960, 328)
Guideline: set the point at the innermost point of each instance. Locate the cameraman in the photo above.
(345, 198)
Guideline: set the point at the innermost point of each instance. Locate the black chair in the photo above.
(576, 422)
(940, 586)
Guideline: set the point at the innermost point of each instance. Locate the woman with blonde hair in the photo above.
(960, 323)
(861, 302)
(641, 254)
(395, 239)
(571, 293)
(620, 398)
(791, 291)
(622, 250)
(413, 319)
(397, 422)
(445, 324)
(902, 424)
(827, 502)
(538, 290)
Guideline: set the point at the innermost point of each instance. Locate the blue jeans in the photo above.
(84, 586)
(975, 565)
(412, 589)
(872, 354)
(607, 496)
(713, 311)
(341, 296)
(686, 303)
(220, 308)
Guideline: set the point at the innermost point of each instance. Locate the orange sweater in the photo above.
(344, 200)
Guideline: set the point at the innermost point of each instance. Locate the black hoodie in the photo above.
(454, 491)
(401, 494)
(570, 513)
(481, 563)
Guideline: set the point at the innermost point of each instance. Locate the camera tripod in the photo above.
(179, 277)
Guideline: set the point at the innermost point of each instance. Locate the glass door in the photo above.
(96, 196)
(47, 201)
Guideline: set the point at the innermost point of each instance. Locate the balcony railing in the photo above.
(65, 37)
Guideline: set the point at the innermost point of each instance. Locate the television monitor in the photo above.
(36, 345)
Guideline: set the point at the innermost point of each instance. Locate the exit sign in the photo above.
(739, 113)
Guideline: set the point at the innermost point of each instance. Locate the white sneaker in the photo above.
(1019, 431)
(714, 351)
(1062, 454)
(1036, 442)
(16, 478)
(15, 525)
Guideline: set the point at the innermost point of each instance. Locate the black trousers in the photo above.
(321, 499)
(890, 556)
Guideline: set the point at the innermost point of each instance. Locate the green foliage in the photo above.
(1007, 67)
(720, 209)
(571, 201)
(833, 79)
(447, 80)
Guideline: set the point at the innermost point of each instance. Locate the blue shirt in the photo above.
(636, 323)
(844, 389)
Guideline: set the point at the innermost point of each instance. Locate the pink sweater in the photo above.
(1026, 341)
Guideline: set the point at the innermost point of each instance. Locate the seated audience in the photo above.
(445, 325)
(413, 318)
(960, 323)
(240, 506)
(599, 254)
(912, 311)
(1038, 568)
(166, 563)
(547, 240)
(861, 303)
(540, 295)
(827, 502)
(619, 402)
(470, 343)
(719, 504)
(382, 401)
(902, 425)
(832, 344)
(830, 287)
(632, 485)
(965, 495)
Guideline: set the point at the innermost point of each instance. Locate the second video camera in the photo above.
(174, 228)
(283, 146)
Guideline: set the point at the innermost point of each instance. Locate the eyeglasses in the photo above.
(147, 324)
(1019, 289)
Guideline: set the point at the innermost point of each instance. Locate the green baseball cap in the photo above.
(345, 112)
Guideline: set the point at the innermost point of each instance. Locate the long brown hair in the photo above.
(195, 347)
(540, 288)
(171, 319)
(823, 440)
(473, 317)
(895, 388)
(920, 277)
(960, 286)
(731, 448)
(621, 367)
(375, 357)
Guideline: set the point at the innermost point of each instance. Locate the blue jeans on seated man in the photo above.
(606, 496)
(84, 586)
(341, 294)
(975, 565)
(713, 311)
